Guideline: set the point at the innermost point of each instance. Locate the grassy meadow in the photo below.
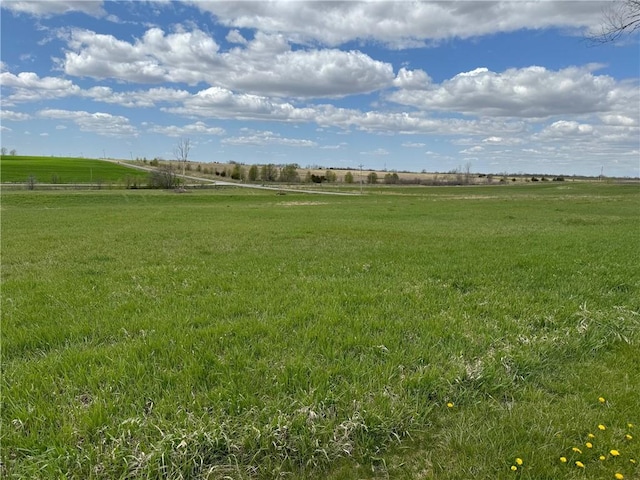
(409, 333)
(58, 170)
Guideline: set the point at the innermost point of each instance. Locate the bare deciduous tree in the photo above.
(620, 18)
(181, 152)
(467, 173)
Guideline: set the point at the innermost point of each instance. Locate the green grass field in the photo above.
(57, 170)
(427, 333)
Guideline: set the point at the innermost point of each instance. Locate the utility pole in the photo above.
(360, 178)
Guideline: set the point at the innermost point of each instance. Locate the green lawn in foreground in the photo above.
(18, 169)
(148, 334)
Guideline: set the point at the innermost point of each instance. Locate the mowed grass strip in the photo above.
(59, 170)
(440, 334)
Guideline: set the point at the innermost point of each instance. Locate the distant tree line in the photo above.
(4, 151)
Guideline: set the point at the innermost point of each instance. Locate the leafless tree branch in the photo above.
(621, 18)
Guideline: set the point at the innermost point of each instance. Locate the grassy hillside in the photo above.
(18, 169)
(429, 333)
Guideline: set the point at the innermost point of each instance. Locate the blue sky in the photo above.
(499, 86)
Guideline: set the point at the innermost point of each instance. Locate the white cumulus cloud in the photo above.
(264, 138)
(98, 122)
(197, 128)
(29, 87)
(401, 24)
(55, 7)
(13, 116)
(137, 98)
(531, 92)
(266, 65)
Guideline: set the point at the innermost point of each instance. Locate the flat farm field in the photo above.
(427, 333)
(58, 170)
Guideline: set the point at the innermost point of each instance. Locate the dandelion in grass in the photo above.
(615, 453)
(514, 468)
(633, 460)
(601, 399)
(579, 464)
(563, 459)
(619, 476)
(630, 425)
(449, 404)
(589, 445)
(519, 461)
(601, 427)
(576, 449)
(591, 435)
(628, 437)
(603, 458)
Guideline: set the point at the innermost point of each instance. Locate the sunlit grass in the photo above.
(443, 333)
(60, 170)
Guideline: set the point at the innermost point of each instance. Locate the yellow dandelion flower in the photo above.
(519, 461)
(630, 425)
(576, 449)
(628, 437)
(615, 453)
(591, 435)
(579, 464)
(563, 459)
(603, 458)
(601, 399)
(632, 460)
(619, 476)
(514, 468)
(450, 405)
(602, 427)
(589, 445)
